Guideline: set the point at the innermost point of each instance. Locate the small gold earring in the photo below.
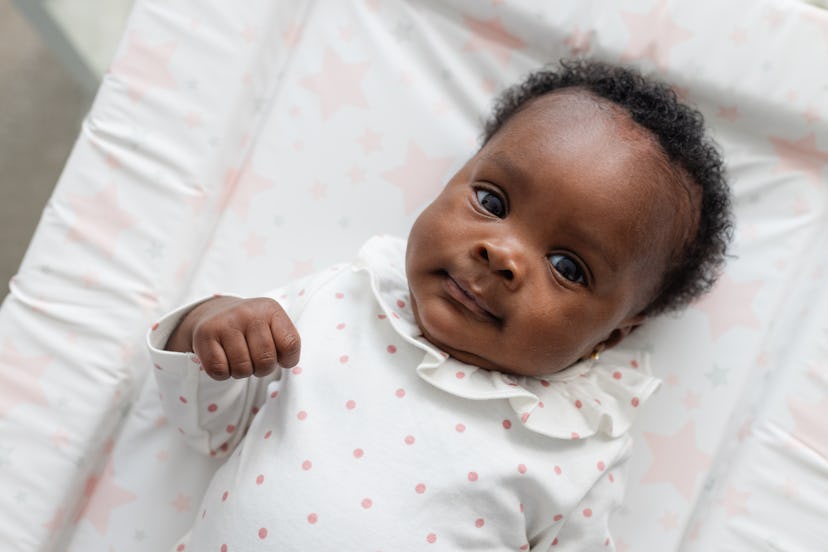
(596, 354)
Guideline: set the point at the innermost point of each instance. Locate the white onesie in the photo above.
(378, 441)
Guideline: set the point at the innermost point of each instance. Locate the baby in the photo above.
(449, 394)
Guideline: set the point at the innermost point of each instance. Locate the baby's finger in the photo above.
(235, 347)
(261, 348)
(286, 338)
(212, 358)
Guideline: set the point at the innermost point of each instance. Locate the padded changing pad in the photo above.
(235, 149)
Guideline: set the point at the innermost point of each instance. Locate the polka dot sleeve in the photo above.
(213, 416)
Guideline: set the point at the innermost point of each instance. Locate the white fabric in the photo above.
(233, 147)
(376, 426)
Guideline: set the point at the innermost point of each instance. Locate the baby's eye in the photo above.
(491, 202)
(568, 268)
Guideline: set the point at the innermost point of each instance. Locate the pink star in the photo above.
(669, 521)
(254, 245)
(730, 305)
(729, 113)
(318, 190)
(579, 42)
(739, 36)
(419, 177)
(653, 35)
(735, 502)
(810, 428)
(819, 18)
(801, 155)
(239, 188)
(338, 83)
(677, 460)
(292, 35)
(491, 35)
(20, 375)
(356, 174)
(301, 268)
(370, 141)
(811, 114)
(144, 66)
(99, 219)
(102, 496)
(691, 400)
(181, 503)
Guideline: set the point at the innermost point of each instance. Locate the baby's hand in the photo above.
(238, 337)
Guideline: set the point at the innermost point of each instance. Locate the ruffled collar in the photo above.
(593, 396)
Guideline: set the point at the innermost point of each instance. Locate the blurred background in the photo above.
(53, 54)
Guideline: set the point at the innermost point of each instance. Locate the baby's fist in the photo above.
(238, 337)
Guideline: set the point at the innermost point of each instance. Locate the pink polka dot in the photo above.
(600, 465)
(182, 399)
(555, 541)
(274, 394)
(409, 439)
(212, 407)
(301, 292)
(340, 326)
(262, 533)
(180, 547)
(420, 488)
(350, 405)
(634, 363)
(606, 542)
(302, 415)
(339, 295)
(578, 404)
(230, 428)
(460, 428)
(296, 370)
(224, 496)
(558, 517)
(259, 479)
(306, 465)
(367, 503)
(395, 315)
(611, 478)
(525, 547)
(634, 401)
(223, 548)
(587, 512)
(460, 374)
(343, 359)
(312, 518)
(381, 316)
(400, 393)
(154, 326)
(521, 507)
(558, 470)
(391, 349)
(521, 468)
(268, 434)
(359, 453)
(524, 417)
(254, 410)
(575, 436)
(157, 366)
(472, 476)
(431, 538)
(507, 424)
(545, 383)
(616, 374)
(401, 303)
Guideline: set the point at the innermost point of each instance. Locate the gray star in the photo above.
(402, 30)
(21, 496)
(155, 249)
(140, 535)
(344, 222)
(717, 376)
(278, 220)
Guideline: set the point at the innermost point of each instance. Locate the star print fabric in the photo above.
(366, 431)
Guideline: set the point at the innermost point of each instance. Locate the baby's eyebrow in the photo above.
(503, 162)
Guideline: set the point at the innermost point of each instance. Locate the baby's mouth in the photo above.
(461, 293)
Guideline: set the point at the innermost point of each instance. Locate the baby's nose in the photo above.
(504, 260)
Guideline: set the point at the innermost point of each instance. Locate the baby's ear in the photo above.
(618, 334)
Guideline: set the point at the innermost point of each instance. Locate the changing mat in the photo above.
(234, 149)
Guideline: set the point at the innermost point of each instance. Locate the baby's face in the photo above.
(547, 244)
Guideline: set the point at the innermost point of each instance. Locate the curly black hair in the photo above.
(680, 132)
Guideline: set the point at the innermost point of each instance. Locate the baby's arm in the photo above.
(195, 349)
